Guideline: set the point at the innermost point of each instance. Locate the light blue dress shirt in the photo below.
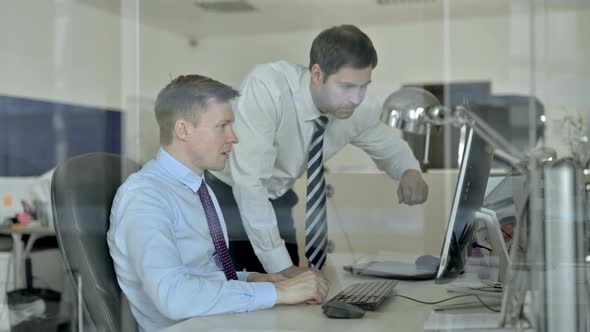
(163, 253)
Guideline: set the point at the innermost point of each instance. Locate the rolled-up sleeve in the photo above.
(387, 149)
(146, 235)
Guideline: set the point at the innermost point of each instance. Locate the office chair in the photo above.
(82, 191)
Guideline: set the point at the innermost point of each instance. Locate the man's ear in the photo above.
(181, 129)
(317, 74)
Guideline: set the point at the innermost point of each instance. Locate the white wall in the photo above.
(64, 51)
(490, 48)
(67, 52)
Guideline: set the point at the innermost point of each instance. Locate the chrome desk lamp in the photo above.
(415, 110)
(406, 109)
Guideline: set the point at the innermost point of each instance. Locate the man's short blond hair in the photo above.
(184, 98)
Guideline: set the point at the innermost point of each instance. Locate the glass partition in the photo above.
(81, 76)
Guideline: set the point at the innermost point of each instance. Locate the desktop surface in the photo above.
(413, 231)
(394, 314)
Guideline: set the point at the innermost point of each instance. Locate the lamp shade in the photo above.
(406, 109)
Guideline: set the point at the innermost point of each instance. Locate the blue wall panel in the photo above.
(36, 135)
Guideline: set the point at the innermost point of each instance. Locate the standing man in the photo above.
(167, 235)
(291, 119)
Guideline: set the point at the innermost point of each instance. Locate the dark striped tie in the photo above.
(217, 233)
(316, 227)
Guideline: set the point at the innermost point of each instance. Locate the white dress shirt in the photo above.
(274, 121)
(164, 255)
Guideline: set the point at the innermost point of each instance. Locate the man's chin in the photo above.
(218, 167)
(343, 114)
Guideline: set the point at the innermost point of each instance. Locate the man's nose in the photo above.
(232, 137)
(356, 97)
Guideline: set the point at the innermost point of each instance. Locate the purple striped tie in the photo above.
(217, 233)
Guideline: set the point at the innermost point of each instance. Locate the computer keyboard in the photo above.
(366, 295)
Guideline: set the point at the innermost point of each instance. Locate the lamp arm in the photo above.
(440, 115)
(504, 149)
(427, 144)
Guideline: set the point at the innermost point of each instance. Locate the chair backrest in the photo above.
(82, 191)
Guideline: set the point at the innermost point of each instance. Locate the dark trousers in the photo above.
(240, 249)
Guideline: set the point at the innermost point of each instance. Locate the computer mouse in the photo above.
(342, 310)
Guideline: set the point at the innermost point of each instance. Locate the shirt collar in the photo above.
(310, 112)
(178, 170)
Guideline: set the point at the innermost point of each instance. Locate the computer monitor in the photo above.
(469, 197)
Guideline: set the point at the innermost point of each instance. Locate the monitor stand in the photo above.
(494, 234)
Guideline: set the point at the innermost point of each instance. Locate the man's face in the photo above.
(342, 92)
(209, 142)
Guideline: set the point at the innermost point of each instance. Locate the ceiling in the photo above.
(184, 18)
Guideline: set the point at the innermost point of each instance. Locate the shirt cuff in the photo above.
(242, 276)
(265, 294)
(404, 166)
(275, 260)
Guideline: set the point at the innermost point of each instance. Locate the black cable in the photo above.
(506, 233)
(331, 202)
(46, 284)
(477, 245)
(450, 298)
(491, 289)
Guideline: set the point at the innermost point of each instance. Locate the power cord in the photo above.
(334, 211)
(45, 283)
(477, 245)
(448, 299)
(490, 289)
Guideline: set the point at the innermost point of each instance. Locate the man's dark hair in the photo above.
(184, 98)
(339, 46)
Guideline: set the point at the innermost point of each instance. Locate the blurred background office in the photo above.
(80, 76)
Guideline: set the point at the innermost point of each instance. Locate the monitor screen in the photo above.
(469, 197)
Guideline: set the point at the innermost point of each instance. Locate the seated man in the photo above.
(167, 236)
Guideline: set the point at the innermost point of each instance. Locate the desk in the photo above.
(364, 224)
(35, 230)
(396, 314)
